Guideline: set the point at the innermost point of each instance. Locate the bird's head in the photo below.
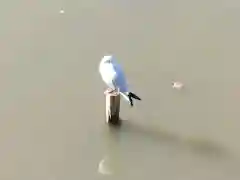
(108, 59)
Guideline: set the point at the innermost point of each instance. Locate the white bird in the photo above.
(113, 75)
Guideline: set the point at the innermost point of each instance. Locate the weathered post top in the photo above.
(112, 107)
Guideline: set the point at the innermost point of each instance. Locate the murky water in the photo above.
(52, 124)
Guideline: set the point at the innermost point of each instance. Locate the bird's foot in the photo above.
(109, 90)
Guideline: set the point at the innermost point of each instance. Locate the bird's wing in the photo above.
(119, 79)
(113, 76)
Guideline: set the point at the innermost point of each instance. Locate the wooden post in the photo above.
(112, 107)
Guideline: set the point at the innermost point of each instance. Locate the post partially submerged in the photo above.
(112, 107)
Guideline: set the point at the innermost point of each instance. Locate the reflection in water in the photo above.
(104, 166)
(110, 164)
(196, 145)
(199, 145)
(130, 140)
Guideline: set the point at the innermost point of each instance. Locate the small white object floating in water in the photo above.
(61, 11)
(177, 85)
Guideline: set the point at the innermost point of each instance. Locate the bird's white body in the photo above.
(113, 75)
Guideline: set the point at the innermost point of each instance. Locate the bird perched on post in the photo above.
(113, 75)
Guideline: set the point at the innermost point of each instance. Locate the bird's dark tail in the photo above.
(132, 96)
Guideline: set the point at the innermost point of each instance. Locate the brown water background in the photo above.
(52, 105)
